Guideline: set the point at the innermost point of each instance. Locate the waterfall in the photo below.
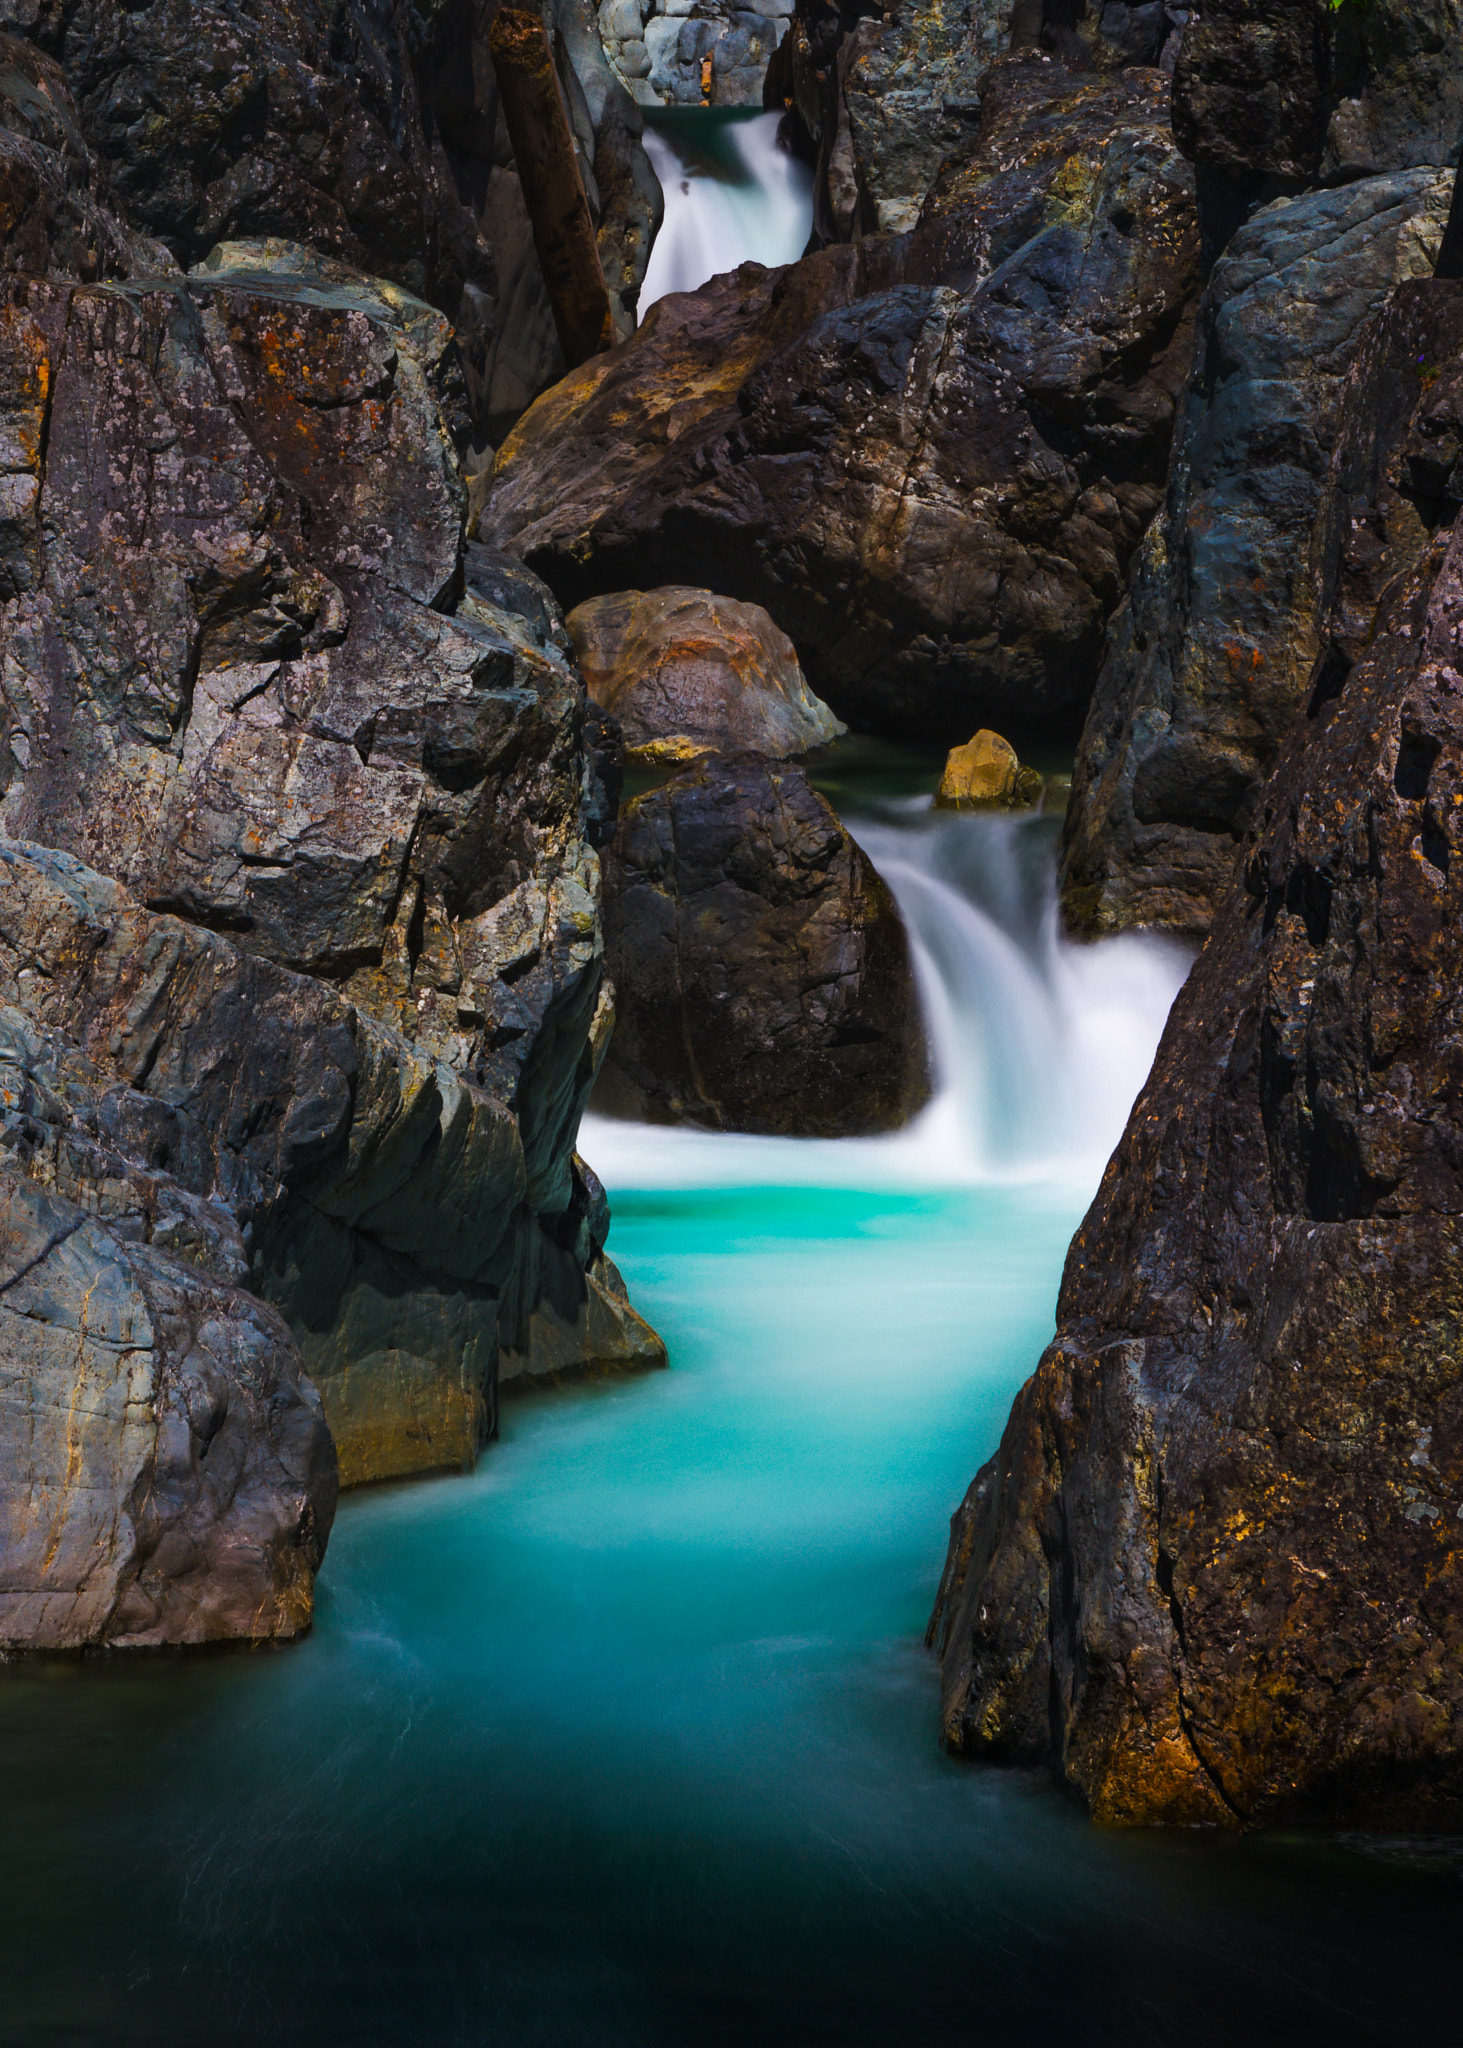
(732, 195)
(1039, 1045)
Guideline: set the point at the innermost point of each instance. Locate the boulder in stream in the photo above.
(685, 665)
(987, 774)
(762, 971)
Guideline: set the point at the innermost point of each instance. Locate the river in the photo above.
(630, 1736)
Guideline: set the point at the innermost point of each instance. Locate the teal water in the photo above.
(630, 1736)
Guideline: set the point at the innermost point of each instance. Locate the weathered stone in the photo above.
(165, 1472)
(686, 665)
(1213, 651)
(1213, 1569)
(929, 458)
(245, 678)
(986, 773)
(762, 973)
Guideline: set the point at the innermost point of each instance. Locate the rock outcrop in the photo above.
(1213, 1569)
(762, 971)
(692, 52)
(688, 667)
(242, 673)
(1214, 649)
(929, 458)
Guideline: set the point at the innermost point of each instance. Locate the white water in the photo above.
(759, 210)
(1039, 1045)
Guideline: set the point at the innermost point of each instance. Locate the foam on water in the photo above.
(747, 200)
(1039, 1045)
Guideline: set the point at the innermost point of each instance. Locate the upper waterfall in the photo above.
(733, 195)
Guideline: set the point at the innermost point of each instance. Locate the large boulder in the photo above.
(1213, 1570)
(762, 972)
(928, 457)
(246, 672)
(1214, 649)
(686, 665)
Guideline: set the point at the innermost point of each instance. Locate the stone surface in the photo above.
(929, 457)
(679, 663)
(986, 774)
(1213, 1570)
(1213, 650)
(659, 47)
(165, 1473)
(253, 680)
(762, 972)
(1311, 89)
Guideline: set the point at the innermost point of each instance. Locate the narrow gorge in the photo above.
(730, 778)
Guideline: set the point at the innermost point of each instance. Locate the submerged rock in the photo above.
(1212, 1571)
(685, 665)
(1213, 652)
(762, 972)
(986, 773)
(928, 458)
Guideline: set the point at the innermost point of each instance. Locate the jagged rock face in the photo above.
(1213, 1570)
(1310, 89)
(1214, 649)
(372, 134)
(762, 972)
(660, 49)
(166, 1474)
(686, 665)
(928, 458)
(240, 673)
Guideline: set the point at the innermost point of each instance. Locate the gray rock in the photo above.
(1213, 650)
(165, 1473)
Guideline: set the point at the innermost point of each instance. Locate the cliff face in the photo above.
(1213, 1569)
(300, 931)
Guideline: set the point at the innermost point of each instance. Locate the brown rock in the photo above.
(1213, 1571)
(986, 773)
(762, 973)
(682, 665)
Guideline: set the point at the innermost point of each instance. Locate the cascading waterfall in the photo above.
(733, 195)
(1039, 1045)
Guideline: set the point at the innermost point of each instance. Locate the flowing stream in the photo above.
(629, 1737)
(732, 195)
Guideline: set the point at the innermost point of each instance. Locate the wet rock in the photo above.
(247, 677)
(166, 1476)
(1212, 653)
(987, 774)
(1211, 1571)
(686, 665)
(928, 458)
(762, 972)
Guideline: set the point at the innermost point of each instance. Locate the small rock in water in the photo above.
(687, 672)
(986, 774)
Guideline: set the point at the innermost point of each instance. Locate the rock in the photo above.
(659, 51)
(248, 678)
(685, 666)
(762, 973)
(1213, 650)
(1211, 1572)
(928, 458)
(373, 136)
(986, 773)
(165, 1474)
(1306, 89)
